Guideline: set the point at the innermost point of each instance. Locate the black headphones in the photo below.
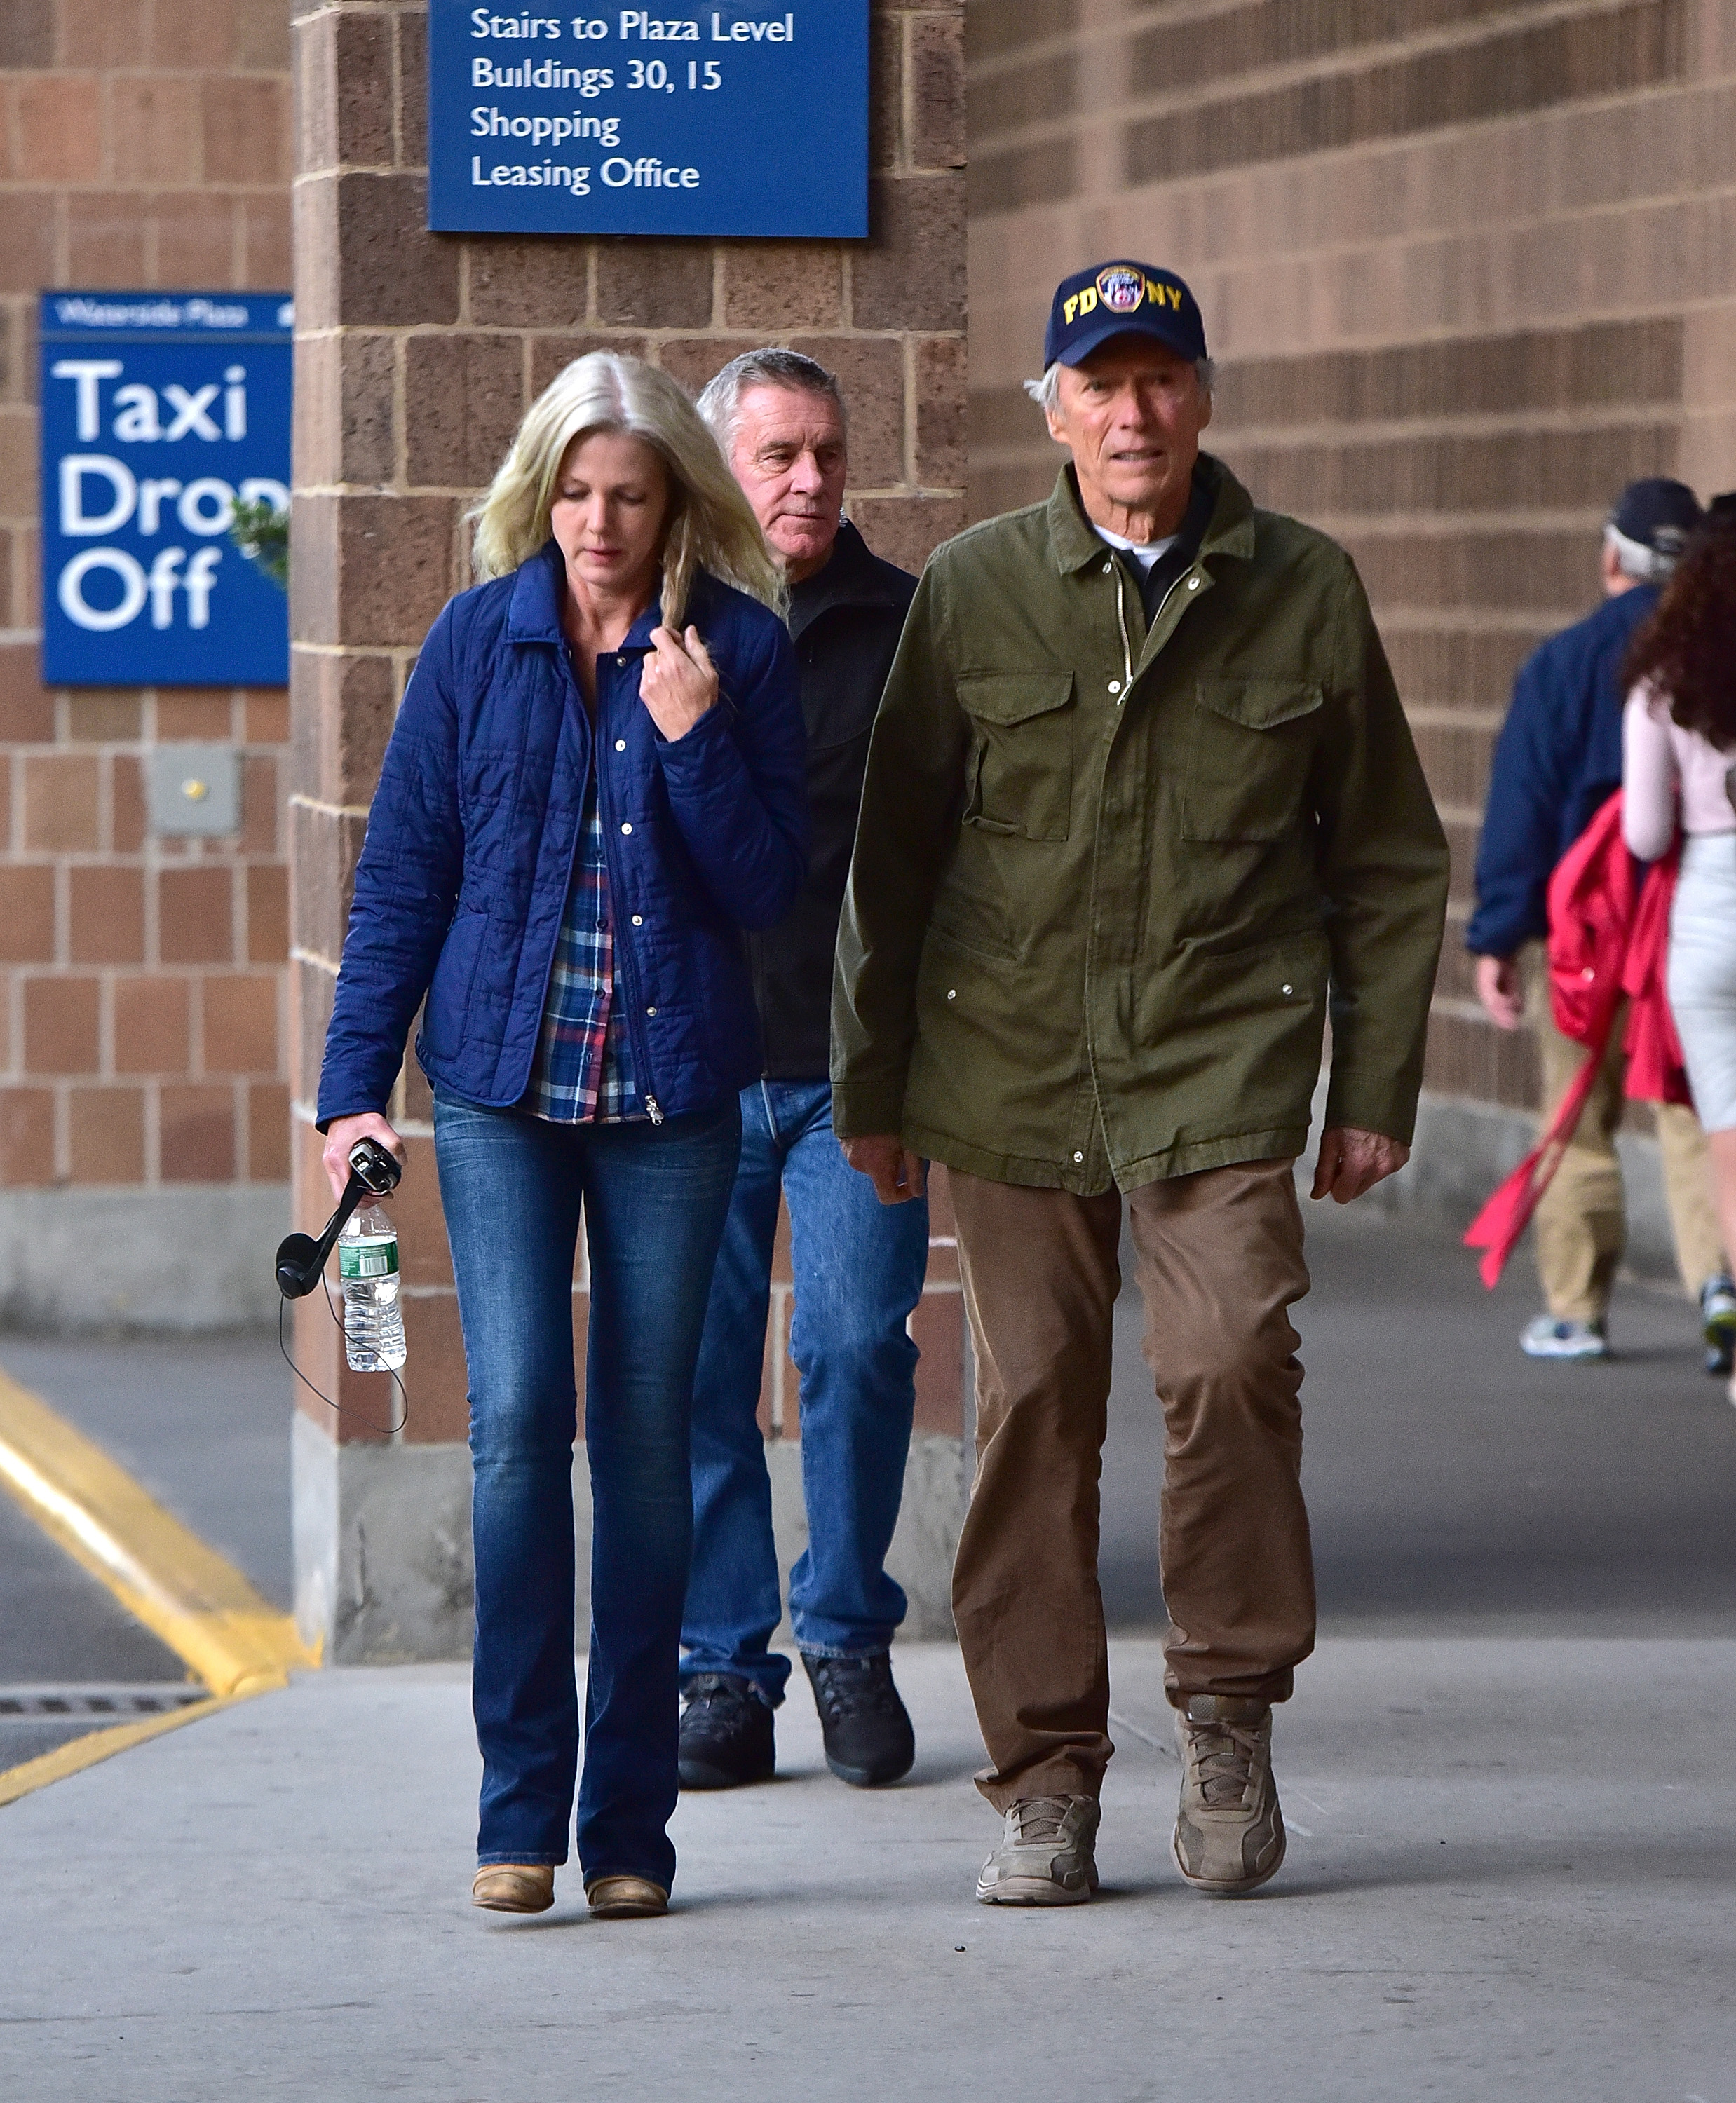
(300, 1259)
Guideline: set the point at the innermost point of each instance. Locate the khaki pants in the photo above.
(1219, 1263)
(1580, 1221)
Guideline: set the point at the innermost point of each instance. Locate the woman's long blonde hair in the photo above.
(711, 526)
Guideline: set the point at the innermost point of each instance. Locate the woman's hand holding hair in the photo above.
(342, 1134)
(677, 683)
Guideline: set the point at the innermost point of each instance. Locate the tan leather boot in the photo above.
(513, 1886)
(626, 1898)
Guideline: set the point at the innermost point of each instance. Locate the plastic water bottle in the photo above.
(368, 1268)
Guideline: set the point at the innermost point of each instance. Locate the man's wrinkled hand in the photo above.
(1499, 990)
(1351, 1163)
(896, 1174)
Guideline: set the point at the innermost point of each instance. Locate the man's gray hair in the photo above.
(1046, 391)
(1646, 565)
(720, 404)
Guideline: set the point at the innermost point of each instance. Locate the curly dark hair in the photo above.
(1687, 649)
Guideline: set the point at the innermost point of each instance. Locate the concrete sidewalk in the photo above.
(1510, 1873)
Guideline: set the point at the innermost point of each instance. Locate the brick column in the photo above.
(417, 354)
(144, 1162)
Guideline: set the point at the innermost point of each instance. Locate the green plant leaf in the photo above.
(261, 532)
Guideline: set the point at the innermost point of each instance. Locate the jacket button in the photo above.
(626, 828)
(638, 919)
(650, 1010)
(1115, 685)
(1193, 583)
(1109, 569)
(952, 993)
(1289, 989)
(620, 744)
(1079, 1157)
(621, 661)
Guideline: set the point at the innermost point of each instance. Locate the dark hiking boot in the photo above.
(727, 1733)
(869, 1740)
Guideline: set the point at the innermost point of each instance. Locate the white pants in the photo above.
(1703, 974)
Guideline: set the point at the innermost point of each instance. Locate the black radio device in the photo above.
(301, 1259)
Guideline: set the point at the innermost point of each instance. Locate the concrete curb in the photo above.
(195, 1599)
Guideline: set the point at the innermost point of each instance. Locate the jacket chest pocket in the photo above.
(1019, 772)
(1250, 742)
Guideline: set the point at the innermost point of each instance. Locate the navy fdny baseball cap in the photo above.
(1122, 299)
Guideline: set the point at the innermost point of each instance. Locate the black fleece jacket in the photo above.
(846, 619)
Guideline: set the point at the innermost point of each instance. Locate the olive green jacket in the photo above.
(1108, 886)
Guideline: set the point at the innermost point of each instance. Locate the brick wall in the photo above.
(1467, 266)
(143, 143)
(417, 354)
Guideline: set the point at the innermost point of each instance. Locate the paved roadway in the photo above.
(1456, 1485)
(202, 1422)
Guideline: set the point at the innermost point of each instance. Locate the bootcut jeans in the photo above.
(654, 1199)
(858, 1267)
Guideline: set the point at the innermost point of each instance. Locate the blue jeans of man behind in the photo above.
(655, 1200)
(858, 1268)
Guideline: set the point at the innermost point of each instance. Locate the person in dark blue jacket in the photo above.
(1557, 761)
(595, 790)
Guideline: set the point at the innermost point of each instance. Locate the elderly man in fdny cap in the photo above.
(1141, 812)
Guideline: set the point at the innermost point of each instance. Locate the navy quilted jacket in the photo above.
(467, 863)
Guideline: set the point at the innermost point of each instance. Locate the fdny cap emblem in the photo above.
(1121, 289)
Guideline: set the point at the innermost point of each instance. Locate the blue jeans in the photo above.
(858, 1268)
(655, 1199)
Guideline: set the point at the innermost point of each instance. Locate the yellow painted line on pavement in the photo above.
(85, 1752)
(195, 1599)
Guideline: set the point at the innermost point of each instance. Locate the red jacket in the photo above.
(1603, 947)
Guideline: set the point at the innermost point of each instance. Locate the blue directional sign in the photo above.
(160, 411)
(730, 120)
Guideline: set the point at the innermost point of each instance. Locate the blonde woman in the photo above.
(595, 784)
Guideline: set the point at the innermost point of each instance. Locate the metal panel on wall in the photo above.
(725, 121)
(160, 411)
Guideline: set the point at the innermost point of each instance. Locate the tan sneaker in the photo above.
(1046, 1855)
(1229, 1832)
(513, 1886)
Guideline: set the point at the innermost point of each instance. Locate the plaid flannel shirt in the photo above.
(583, 1065)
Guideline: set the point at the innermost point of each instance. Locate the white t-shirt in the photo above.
(1145, 552)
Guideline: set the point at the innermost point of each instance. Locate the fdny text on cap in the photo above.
(635, 23)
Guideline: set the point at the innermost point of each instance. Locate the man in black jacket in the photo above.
(858, 1265)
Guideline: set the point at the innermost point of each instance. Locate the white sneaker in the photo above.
(1547, 1338)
